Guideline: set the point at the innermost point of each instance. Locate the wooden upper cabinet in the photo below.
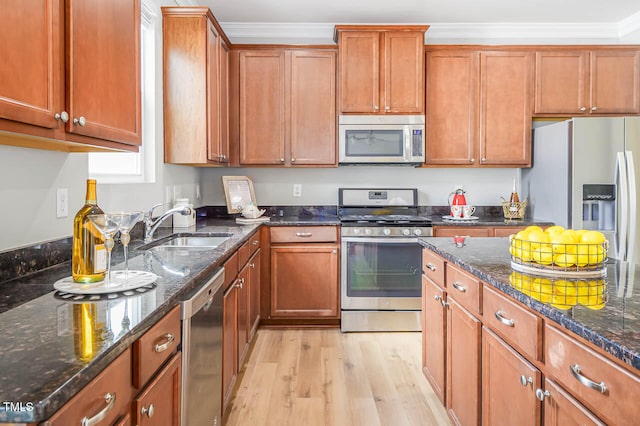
(103, 89)
(505, 108)
(313, 107)
(31, 72)
(71, 74)
(287, 112)
(196, 130)
(570, 82)
(478, 108)
(262, 107)
(381, 69)
(451, 107)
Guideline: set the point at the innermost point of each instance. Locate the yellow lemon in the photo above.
(598, 255)
(522, 235)
(565, 260)
(533, 228)
(582, 290)
(593, 237)
(543, 254)
(554, 229)
(560, 242)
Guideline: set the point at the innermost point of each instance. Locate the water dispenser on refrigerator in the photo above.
(599, 207)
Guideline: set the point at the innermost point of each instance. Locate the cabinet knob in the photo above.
(148, 411)
(252, 265)
(483, 160)
(110, 400)
(437, 298)
(472, 160)
(593, 109)
(293, 160)
(80, 121)
(540, 394)
(583, 109)
(524, 381)
(282, 160)
(387, 108)
(62, 116)
(376, 108)
(240, 283)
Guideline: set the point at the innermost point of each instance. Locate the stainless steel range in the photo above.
(381, 259)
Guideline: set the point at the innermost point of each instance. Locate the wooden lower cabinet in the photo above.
(476, 231)
(304, 281)
(159, 403)
(434, 336)
(561, 409)
(463, 365)
(509, 384)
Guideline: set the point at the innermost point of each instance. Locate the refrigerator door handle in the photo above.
(632, 199)
(623, 204)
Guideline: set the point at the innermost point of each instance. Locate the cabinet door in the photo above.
(452, 107)
(615, 82)
(243, 289)
(434, 337)
(505, 108)
(505, 231)
(561, 409)
(159, 403)
(224, 100)
(509, 383)
(254, 296)
(304, 281)
(403, 72)
(214, 149)
(31, 69)
(313, 107)
(262, 107)
(561, 82)
(229, 342)
(103, 69)
(359, 71)
(463, 365)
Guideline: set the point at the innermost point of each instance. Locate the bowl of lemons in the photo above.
(562, 293)
(559, 251)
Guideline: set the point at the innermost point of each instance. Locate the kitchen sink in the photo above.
(191, 241)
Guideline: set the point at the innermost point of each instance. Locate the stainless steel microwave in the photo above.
(381, 139)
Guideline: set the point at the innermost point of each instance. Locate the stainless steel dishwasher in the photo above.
(202, 354)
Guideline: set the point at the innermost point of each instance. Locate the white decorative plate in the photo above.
(135, 279)
(459, 219)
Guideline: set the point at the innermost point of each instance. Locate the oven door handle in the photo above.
(387, 240)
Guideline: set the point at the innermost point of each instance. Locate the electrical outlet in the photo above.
(62, 202)
(297, 190)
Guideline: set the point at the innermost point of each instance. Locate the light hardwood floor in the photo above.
(325, 377)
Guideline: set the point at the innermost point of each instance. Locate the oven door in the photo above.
(381, 274)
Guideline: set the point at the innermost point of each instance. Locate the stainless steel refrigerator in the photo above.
(584, 177)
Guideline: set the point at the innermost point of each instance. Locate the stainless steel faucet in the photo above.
(150, 224)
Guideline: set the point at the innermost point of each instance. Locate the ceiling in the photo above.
(447, 18)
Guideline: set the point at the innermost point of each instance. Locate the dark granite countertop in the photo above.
(614, 327)
(42, 361)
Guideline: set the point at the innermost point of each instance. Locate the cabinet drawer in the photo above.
(602, 386)
(466, 231)
(433, 267)
(464, 288)
(231, 268)
(517, 326)
(505, 231)
(247, 250)
(155, 347)
(115, 380)
(304, 234)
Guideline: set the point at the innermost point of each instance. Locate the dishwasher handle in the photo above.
(202, 299)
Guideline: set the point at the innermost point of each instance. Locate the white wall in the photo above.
(274, 186)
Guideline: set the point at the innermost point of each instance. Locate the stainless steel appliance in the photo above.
(381, 139)
(381, 259)
(584, 177)
(202, 355)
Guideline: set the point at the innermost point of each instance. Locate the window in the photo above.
(136, 167)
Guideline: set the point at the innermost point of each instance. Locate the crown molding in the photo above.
(260, 32)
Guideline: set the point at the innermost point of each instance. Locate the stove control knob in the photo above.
(386, 231)
(367, 231)
(406, 232)
(417, 231)
(356, 231)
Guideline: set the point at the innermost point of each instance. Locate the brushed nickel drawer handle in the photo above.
(506, 321)
(110, 400)
(163, 347)
(255, 242)
(459, 287)
(304, 234)
(600, 387)
(431, 267)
